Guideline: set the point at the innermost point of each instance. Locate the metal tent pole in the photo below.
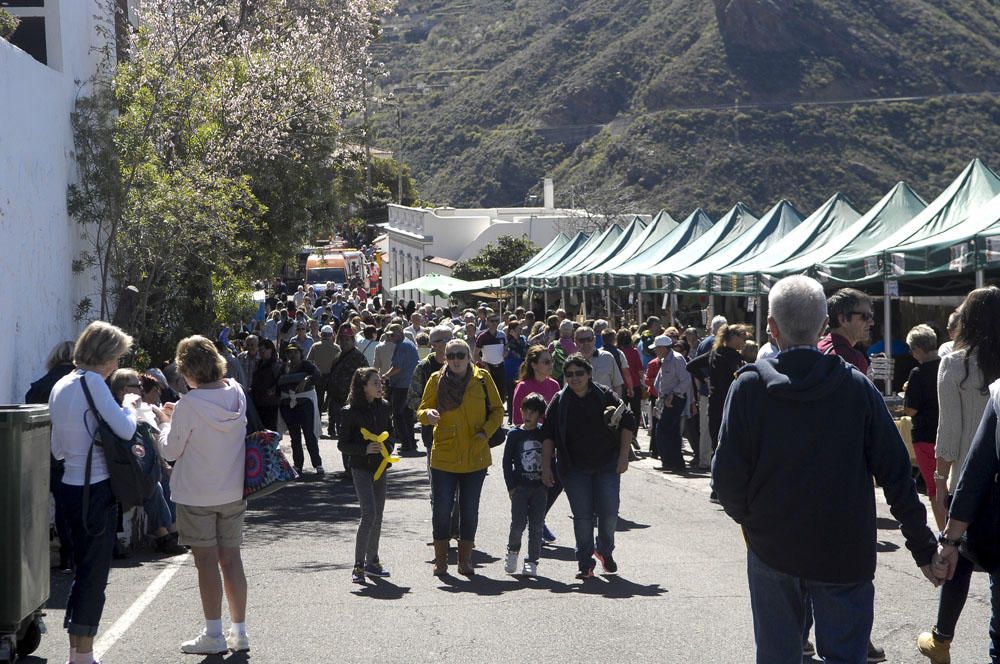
(607, 302)
(545, 300)
(757, 322)
(638, 305)
(980, 279)
(887, 332)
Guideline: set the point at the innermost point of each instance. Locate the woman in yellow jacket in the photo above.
(463, 404)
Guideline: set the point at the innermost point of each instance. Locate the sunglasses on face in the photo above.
(574, 374)
(440, 341)
(866, 316)
(134, 386)
(456, 356)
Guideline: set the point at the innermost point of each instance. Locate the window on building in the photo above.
(30, 34)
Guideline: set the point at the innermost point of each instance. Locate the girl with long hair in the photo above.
(366, 409)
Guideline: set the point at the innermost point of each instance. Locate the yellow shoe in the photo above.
(936, 650)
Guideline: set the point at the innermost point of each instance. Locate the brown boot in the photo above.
(440, 557)
(465, 557)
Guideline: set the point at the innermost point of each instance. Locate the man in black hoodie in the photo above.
(803, 435)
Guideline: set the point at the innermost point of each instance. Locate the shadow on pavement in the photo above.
(306, 507)
(378, 588)
(624, 525)
(610, 586)
(231, 658)
(883, 523)
(885, 547)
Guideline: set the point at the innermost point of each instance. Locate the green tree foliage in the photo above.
(496, 259)
(8, 23)
(210, 152)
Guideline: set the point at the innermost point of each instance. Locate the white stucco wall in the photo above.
(37, 238)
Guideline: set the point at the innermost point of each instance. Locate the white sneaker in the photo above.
(530, 568)
(205, 645)
(237, 642)
(510, 566)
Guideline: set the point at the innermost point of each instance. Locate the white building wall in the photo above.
(38, 239)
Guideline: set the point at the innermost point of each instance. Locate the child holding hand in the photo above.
(522, 471)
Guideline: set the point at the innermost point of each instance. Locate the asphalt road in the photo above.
(680, 596)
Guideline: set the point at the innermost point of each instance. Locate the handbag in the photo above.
(133, 463)
(500, 435)
(267, 468)
(981, 543)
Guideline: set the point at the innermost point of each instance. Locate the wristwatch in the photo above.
(944, 541)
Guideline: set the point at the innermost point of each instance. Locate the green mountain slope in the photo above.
(681, 103)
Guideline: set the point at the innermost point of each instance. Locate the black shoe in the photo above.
(875, 654)
(608, 563)
(120, 552)
(168, 544)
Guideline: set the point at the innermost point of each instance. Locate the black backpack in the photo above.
(133, 463)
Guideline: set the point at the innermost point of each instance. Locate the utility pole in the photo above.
(399, 156)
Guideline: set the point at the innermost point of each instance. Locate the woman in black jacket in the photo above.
(366, 409)
(264, 385)
(722, 362)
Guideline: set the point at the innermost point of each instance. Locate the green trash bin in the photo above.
(24, 527)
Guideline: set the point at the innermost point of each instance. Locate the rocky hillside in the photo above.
(681, 103)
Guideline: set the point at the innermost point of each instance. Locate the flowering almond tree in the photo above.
(203, 149)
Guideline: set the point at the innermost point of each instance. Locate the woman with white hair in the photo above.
(96, 354)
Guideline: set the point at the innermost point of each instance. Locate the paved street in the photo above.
(680, 596)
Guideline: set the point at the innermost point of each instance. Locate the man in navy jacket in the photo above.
(803, 437)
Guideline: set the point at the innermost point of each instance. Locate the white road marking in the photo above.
(110, 637)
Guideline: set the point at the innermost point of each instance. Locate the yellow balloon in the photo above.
(380, 439)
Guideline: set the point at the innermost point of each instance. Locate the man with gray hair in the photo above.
(805, 438)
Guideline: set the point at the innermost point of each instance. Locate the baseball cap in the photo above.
(663, 341)
(326, 329)
(346, 331)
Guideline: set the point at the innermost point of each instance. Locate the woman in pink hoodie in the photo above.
(204, 433)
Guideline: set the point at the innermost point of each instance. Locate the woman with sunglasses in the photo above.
(463, 404)
(592, 457)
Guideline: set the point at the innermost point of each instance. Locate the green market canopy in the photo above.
(830, 220)
(705, 277)
(968, 246)
(598, 245)
(579, 276)
(896, 208)
(521, 276)
(433, 283)
(697, 224)
(974, 186)
(724, 232)
(658, 228)
(557, 243)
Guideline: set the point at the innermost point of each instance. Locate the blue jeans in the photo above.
(469, 487)
(527, 508)
(668, 434)
(780, 603)
(91, 554)
(592, 492)
(157, 510)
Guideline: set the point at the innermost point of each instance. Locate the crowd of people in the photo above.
(575, 394)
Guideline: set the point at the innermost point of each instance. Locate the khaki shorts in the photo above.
(217, 525)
